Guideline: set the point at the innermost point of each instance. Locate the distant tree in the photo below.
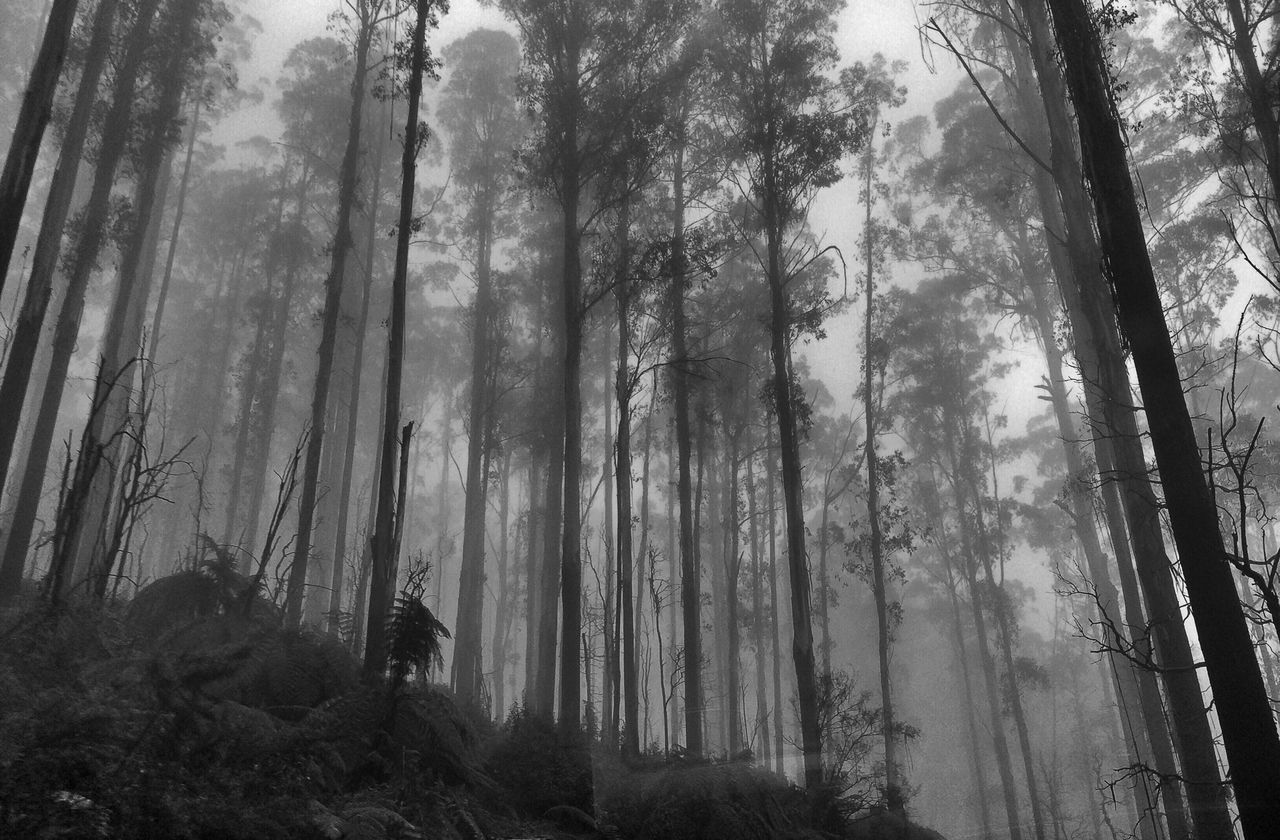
(480, 117)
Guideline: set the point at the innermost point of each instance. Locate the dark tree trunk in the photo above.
(623, 392)
(468, 670)
(115, 136)
(1248, 729)
(690, 588)
(294, 595)
(33, 118)
(389, 520)
(39, 290)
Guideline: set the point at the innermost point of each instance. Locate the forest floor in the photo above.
(174, 717)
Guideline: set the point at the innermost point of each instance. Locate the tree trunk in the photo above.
(114, 137)
(793, 502)
(390, 517)
(1249, 732)
(771, 501)
(757, 619)
(690, 588)
(884, 631)
(39, 290)
(1119, 449)
(623, 391)
(294, 595)
(33, 118)
(468, 671)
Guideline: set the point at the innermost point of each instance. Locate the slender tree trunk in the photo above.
(733, 565)
(623, 391)
(690, 588)
(33, 118)
(387, 524)
(294, 596)
(884, 629)
(793, 501)
(502, 613)
(179, 214)
(757, 618)
(771, 470)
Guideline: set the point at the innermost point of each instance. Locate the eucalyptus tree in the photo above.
(366, 16)
(1249, 732)
(482, 121)
(790, 128)
(574, 52)
(415, 62)
(33, 118)
(39, 289)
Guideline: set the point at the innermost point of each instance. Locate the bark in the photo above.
(39, 291)
(389, 520)
(28, 133)
(503, 611)
(1249, 732)
(294, 596)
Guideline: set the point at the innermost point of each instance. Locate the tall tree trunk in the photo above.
(502, 613)
(294, 595)
(884, 630)
(33, 118)
(690, 588)
(623, 391)
(354, 394)
(1119, 452)
(39, 291)
(90, 495)
(757, 618)
(1244, 713)
(390, 517)
(771, 501)
(114, 138)
(793, 500)
(468, 671)
(733, 565)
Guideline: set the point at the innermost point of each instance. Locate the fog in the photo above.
(643, 419)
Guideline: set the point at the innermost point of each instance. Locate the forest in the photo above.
(640, 419)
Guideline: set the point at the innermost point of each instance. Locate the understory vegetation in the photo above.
(192, 712)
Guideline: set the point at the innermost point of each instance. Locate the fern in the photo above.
(414, 635)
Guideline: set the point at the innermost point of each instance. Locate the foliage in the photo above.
(541, 765)
(707, 803)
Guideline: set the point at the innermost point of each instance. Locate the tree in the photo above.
(369, 14)
(480, 116)
(389, 521)
(573, 54)
(37, 108)
(791, 131)
(1249, 732)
